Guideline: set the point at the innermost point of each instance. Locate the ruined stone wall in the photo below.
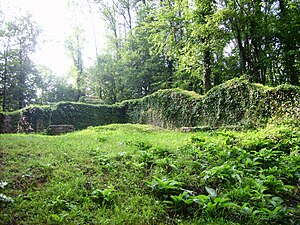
(234, 103)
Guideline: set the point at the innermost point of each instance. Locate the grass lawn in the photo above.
(139, 174)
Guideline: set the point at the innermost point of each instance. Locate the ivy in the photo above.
(234, 103)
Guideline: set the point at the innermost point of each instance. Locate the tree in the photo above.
(117, 15)
(186, 33)
(53, 88)
(18, 37)
(104, 79)
(288, 35)
(265, 34)
(75, 45)
(128, 69)
(195, 44)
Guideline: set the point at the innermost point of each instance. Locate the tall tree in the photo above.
(18, 40)
(129, 69)
(117, 15)
(288, 34)
(75, 46)
(265, 33)
(186, 33)
(195, 44)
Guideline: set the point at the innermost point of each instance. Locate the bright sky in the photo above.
(54, 18)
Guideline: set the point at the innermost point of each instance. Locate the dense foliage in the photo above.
(189, 44)
(195, 45)
(134, 174)
(18, 75)
(234, 103)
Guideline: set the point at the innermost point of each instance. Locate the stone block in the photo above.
(60, 129)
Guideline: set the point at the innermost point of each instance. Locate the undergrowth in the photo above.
(138, 174)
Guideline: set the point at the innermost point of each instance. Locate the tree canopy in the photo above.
(157, 44)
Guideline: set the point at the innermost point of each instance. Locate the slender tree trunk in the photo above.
(207, 70)
(113, 91)
(4, 103)
(217, 77)
(21, 79)
(291, 59)
(129, 18)
(94, 30)
(240, 45)
(170, 78)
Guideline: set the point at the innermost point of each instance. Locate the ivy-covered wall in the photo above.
(236, 102)
(166, 108)
(9, 122)
(78, 114)
(83, 115)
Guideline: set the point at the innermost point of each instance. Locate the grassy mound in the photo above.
(140, 174)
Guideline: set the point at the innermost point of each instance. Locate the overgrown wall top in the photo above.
(236, 102)
(78, 114)
(84, 115)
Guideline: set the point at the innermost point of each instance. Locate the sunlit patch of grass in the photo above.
(139, 174)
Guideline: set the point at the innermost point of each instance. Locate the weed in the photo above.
(105, 196)
(128, 174)
(164, 187)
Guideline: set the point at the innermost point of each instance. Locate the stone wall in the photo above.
(234, 103)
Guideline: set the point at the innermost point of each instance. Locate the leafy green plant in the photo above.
(226, 172)
(146, 157)
(164, 187)
(180, 202)
(55, 218)
(105, 196)
(59, 205)
(274, 185)
(141, 145)
(102, 139)
(268, 157)
(172, 190)
(212, 202)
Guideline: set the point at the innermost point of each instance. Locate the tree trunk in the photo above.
(207, 70)
(240, 45)
(21, 80)
(4, 103)
(170, 79)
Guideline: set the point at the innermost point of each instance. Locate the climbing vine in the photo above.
(234, 103)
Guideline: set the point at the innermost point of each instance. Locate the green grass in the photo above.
(138, 174)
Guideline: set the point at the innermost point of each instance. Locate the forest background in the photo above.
(153, 45)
